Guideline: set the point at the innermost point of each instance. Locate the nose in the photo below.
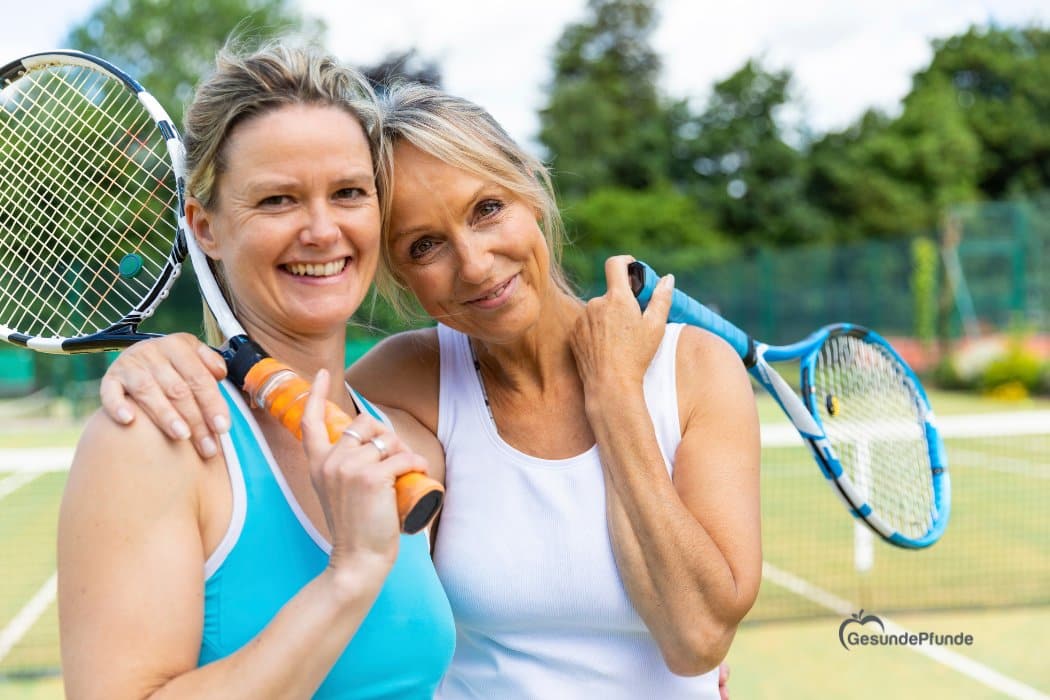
(475, 259)
(321, 226)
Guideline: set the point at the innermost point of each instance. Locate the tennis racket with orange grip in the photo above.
(92, 233)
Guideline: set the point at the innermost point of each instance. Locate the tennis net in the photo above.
(995, 553)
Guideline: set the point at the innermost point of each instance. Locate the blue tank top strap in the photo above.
(366, 405)
(401, 648)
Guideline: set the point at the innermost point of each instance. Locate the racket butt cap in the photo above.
(424, 511)
(241, 355)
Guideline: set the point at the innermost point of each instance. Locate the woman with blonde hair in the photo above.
(596, 541)
(262, 570)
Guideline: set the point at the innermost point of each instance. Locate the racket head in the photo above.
(886, 458)
(91, 200)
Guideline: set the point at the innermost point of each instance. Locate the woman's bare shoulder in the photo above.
(402, 371)
(113, 459)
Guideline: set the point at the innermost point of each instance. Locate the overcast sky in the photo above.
(846, 56)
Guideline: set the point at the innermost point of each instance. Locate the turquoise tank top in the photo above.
(271, 551)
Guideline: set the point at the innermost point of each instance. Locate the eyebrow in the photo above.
(394, 237)
(268, 181)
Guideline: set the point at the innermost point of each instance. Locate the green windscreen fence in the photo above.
(992, 271)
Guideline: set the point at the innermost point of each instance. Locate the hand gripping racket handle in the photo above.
(277, 388)
(685, 309)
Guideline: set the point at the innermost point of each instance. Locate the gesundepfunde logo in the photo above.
(859, 619)
(853, 632)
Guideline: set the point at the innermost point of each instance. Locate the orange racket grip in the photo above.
(277, 388)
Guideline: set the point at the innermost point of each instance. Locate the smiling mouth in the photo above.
(316, 269)
(493, 294)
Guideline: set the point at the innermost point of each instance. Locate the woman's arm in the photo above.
(419, 439)
(131, 564)
(688, 549)
(172, 381)
(403, 371)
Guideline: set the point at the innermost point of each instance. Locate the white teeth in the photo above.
(317, 269)
(494, 294)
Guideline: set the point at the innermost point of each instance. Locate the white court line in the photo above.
(12, 483)
(978, 671)
(36, 459)
(28, 615)
(963, 426)
(29, 465)
(998, 463)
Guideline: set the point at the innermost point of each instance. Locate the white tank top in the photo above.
(523, 552)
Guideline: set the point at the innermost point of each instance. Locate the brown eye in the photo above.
(420, 248)
(351, 193)
(274, 200)
(489, 207)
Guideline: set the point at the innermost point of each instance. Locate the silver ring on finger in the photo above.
(350, 432)
(381, 446)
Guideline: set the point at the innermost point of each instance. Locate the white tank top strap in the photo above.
(661, 393)
(461, 402)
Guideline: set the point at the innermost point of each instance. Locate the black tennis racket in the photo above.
(92, 234)
(863, 414)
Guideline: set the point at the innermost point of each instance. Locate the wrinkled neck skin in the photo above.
(541, 355)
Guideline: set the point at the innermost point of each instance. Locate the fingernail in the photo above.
(180, 430)
(209, 356)
(207, 447)
(124, 416)
(668, 280)
(220, 424)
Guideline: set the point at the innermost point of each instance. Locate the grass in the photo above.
(804, 659)
(32, 689)
(41, 434)
(994, 554)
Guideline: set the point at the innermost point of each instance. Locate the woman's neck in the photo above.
(306, 354)
(542, 354)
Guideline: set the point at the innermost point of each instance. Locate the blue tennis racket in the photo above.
(863, 413)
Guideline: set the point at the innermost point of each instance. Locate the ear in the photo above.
(199, 221)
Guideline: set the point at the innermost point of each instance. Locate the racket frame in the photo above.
(124, 332)
(804, 414)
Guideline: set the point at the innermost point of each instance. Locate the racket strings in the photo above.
(49, 207)
(85, 181)
(129, 104)
(875, 421)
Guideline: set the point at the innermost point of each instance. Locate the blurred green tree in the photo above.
(168, 46)
(998, 79)
(895, 177)
(407, 66)
(735, 158)
(605, 124)
(974, 126)
(664, 227)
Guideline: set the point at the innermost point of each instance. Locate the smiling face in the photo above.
(470, 250)
(295, 222)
